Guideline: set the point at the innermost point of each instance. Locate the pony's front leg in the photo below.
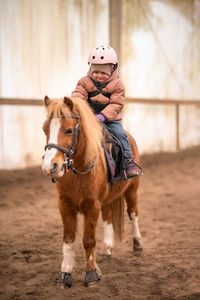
(91, 215)
(107, 216)
(69, 218)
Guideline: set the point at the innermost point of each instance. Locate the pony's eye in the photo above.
(69, 131)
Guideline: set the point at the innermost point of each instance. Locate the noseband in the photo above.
(68, 160)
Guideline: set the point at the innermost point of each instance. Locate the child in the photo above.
(105, 94)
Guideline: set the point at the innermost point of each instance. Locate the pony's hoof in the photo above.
(92, 278)
(64, 280)
(137, 245)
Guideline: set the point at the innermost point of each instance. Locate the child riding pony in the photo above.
(74, 156)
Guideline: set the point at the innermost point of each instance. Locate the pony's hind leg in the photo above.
(107, 216)
(132, 209)
(91, 214)
(69, 218)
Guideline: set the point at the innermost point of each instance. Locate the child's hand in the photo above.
(101, 117)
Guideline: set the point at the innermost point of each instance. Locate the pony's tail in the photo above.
(118, 218)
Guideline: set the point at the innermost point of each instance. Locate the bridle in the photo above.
(68, 160)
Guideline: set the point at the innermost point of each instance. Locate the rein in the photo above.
(68, 160)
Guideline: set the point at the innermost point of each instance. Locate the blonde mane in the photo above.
(91, 129)
(89, 124)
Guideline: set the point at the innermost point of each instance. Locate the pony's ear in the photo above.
(68, 102)
(47, 101)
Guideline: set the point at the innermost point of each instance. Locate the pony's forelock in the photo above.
(57, 108)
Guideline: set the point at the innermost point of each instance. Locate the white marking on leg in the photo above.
(68, 258)
(91, 257)
(50, 153)
(136, 230)
(108, 237)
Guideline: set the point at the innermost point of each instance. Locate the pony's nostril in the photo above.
(54, 167)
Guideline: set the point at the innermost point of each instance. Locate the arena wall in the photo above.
(44, 49)
(160, 58)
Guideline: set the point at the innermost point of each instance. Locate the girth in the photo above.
(96, 106)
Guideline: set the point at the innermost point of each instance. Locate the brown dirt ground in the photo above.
(168, 267)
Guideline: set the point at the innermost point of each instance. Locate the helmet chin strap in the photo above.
(115, 67)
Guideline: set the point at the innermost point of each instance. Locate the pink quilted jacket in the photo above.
(115, 87)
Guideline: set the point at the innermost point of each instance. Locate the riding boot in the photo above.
(131, 169)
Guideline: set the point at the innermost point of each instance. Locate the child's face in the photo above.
(100, 76)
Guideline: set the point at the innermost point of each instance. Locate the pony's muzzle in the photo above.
(53, 169)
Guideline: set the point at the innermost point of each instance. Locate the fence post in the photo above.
(177, 127)
(115, 26)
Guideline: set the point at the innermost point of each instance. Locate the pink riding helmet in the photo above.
(103, 55)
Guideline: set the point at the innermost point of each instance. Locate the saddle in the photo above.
(115, 156)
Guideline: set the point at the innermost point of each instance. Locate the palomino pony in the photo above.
(74, 157)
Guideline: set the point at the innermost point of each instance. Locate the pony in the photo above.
(75, 159)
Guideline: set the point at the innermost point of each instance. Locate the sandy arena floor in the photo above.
(167, 268)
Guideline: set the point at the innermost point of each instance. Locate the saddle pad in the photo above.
(110, 164)
(114, 165)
